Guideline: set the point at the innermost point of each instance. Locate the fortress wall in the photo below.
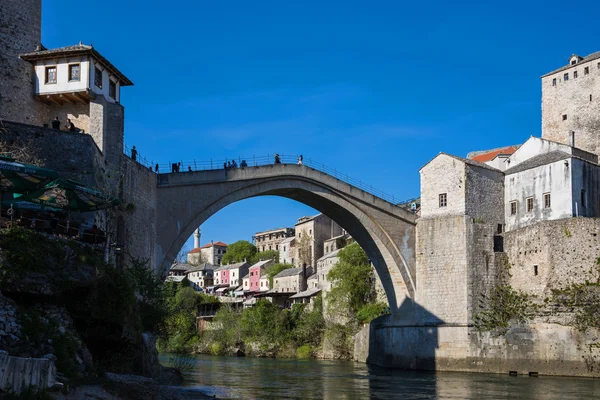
(20, 32)
(566, 251)
(139, 189)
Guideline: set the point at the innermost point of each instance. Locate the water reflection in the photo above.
(265, 379)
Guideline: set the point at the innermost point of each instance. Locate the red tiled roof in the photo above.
(490, 155)
(206, 246)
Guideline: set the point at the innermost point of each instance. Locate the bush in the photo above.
(304, 351)
(371, 311)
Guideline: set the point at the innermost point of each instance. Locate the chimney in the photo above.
(572, 138)
(197, 238)
(303, 280)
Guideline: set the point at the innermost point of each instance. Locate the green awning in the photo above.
(70, 195)
(17, 177)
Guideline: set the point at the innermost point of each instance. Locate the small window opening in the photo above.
(554, 82)
(564, 117)
(547, 201)
(574, 74)
(573, 62)
(583, 199)
(590, 97)
(586, 70)
(535, 270)
(443, 199)
(529, 204)
(566, 77)
(513, 208)
(499, 228)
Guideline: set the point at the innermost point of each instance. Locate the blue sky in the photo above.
(374, 89)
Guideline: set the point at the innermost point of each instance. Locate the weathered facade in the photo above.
(571, 103)
(311, 232)
(270, 240)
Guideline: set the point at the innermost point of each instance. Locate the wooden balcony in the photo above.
(60, 98)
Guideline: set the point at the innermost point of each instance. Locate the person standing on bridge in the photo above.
(233, 164)
(133, 153)
(277, 159)
(189, 169)
(156, 168)
(300, 159)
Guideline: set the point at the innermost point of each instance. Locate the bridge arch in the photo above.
(384, 230)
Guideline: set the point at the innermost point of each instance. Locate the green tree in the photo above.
(265, 324)
(266, 255)
(238, 252)
(352, 280)
(275, 269)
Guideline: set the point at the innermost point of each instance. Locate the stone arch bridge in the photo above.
(384, 230)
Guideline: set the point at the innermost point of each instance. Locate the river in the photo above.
(260, 378)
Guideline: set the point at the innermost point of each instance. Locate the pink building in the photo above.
(256, 271)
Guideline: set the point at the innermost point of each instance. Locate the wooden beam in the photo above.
(65, 98)
(81, 97)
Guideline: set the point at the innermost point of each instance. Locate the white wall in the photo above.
(105, 81)
(62, 76)
(554, 178)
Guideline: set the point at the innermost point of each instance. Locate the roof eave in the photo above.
(32, 57)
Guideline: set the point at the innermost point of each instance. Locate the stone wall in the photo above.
(20, 32)
(578, 100)
(485, 195)
(442, 268)
(443, 174)
(565, 252)
(72, 154)
(139, 224)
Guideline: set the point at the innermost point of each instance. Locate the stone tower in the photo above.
(571, 103)
(20, 32)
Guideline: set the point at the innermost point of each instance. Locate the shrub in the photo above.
(304, 351)
(371, 311)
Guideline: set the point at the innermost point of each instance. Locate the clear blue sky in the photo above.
(375, 89)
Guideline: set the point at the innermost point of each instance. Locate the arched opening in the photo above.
(182, 208)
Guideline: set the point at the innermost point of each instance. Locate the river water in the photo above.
(260, 378)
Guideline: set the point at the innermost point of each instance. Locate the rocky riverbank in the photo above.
(62, 304)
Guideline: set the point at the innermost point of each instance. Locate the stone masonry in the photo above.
(20, 32)
(573, 104)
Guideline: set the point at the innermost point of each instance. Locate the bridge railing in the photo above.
(256, 161)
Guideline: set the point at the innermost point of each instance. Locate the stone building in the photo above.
(291, 280)
(200, 276)
(571, 103)
(548, 181)
(311, 233)
(287, 250)
(211, 253)
(270, 240)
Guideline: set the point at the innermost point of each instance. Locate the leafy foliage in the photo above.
(238, 252)
(266, 324)
(265, 255)
(503, 306)
(178, 333)
(352, 280)
(369, 312)
(584, 299)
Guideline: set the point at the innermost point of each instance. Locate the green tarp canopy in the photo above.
(19, 204)
(16, 177)
(70, 195)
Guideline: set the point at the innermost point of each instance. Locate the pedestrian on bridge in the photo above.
(133, 152)
(156, 168)
(189, 169)
(300, 159)
(277, 159)
(233, 164)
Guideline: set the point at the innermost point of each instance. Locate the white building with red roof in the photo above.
(211, 253)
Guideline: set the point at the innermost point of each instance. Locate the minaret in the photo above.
(197, 238)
